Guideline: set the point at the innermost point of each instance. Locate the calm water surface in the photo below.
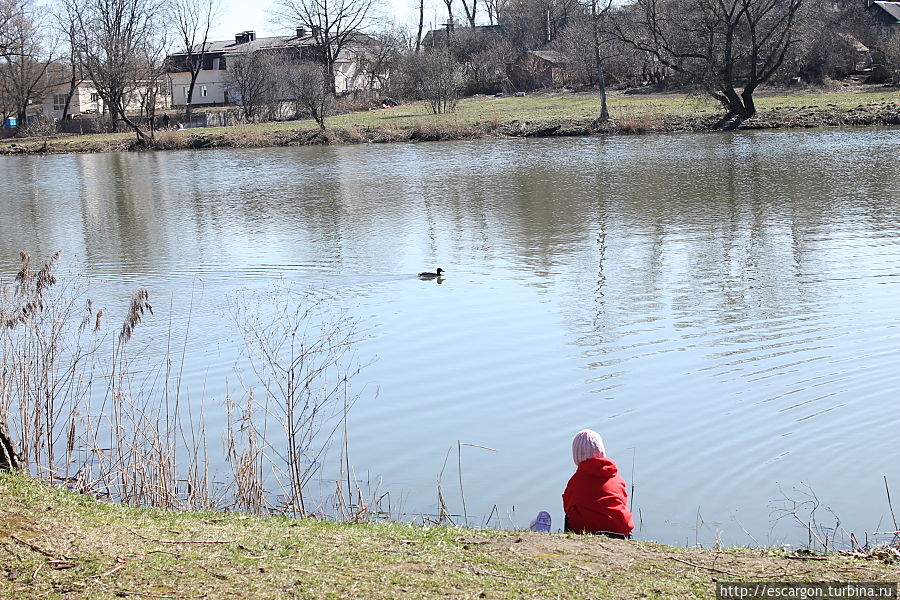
(723, 309)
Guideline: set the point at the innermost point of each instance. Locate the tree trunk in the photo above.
(601, 83)
(73, 85)
(329, 79)
(470, 15)
(421, 25)
(190, 97)
(598, 61)
(22, 117)
(113, 115)
(9, 456)
(738, 108)
(749, 104)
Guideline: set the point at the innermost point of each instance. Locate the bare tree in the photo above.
(470, 12)
(717, 44)
(449, 5)
(7, 13)
(529, 24)
(597, 16)
(441, 81)
(307, 84)
(66, 22)
(252, 82)
(115, 38)
(152, 87)
(494, 9)
(482, 59)
(23, 60)
(378, 58)
(333, 24)
(193, 20)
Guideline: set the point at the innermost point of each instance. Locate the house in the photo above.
(886, 16)
(87, 101)
(538, 68)
(211, 87)
(439, 37)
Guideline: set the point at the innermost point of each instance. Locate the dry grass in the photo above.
(56, 544)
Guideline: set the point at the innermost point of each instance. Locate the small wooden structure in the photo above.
(538, 69)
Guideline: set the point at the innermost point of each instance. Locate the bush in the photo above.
(40, 126)
(441, 81)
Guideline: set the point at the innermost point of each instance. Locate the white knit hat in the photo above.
(587, 444)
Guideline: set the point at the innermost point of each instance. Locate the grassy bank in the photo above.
(543, 114)
(57, 544)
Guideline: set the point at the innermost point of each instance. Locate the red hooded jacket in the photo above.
(595, 499)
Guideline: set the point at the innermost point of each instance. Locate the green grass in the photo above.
(485, 116)
(57, 544)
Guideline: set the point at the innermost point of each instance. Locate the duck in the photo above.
(429, 275)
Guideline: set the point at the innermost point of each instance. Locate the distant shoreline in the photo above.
(557, 114)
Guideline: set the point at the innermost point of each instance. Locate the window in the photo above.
(215, 64)
(59, 101)
(95, 97)
(203, 91)
(185, 91)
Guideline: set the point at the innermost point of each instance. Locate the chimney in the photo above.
(315, 31)
(240, 38)
(251, 35)
(301, 32)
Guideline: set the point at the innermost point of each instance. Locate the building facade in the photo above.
(211, 86)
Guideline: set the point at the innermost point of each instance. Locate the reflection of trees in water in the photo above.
(735, 244)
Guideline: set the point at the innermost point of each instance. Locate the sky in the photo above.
(241, 15)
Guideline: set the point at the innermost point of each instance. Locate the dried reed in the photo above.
(112, 425)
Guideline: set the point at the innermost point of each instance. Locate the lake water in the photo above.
(722, 308)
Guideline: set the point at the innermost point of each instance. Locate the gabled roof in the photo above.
(855, 43)
(551, 56)
(439, 36)
(269, 43)
(891, 8)
(266, 43)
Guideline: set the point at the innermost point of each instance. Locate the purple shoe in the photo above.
(541, 522)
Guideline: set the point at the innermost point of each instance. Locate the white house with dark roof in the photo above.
(211, 87)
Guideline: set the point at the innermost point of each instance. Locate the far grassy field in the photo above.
(59, 545)
(488, 116)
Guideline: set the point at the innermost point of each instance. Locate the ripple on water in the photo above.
(721, 307)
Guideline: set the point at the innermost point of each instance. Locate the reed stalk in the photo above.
(80, 408)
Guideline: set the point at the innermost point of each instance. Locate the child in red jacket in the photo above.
(595, 500)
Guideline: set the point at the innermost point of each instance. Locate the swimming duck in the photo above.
(429, 275)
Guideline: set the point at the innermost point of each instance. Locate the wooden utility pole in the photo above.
(421, 25)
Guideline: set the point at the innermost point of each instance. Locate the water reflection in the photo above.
(721, 308)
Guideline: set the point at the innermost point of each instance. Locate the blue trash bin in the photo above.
(11, 122)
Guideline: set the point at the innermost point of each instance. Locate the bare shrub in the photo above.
(299, 352)
(483, 60)
(888, 57)
(252, 82)
(307, 83)
(441, 81)
(40, 126)
(169, 139)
